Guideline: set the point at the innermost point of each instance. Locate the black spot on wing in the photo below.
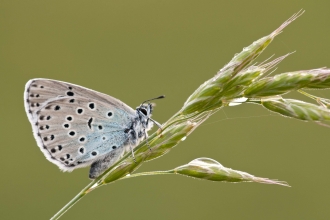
(90, 123)
(80, 111)
(91, 105)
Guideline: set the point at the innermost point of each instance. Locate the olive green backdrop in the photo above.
(135, 50)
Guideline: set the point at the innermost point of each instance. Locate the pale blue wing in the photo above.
(75, 126)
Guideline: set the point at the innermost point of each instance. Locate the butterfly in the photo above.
(76, 127)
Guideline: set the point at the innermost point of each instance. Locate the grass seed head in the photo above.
(297, 109)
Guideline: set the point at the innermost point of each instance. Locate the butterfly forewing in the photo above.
(73, 125)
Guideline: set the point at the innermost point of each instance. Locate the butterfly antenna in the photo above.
(159, 97)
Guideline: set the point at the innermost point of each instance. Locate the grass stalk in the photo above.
(237, 80)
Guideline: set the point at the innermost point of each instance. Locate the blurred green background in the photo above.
(135, 50)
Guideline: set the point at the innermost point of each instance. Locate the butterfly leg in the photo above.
(156, 123)
(146, 137)
(146, 134)
(130, 145)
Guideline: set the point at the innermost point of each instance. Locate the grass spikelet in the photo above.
(209, 169)
(287, 82)
(297, 109)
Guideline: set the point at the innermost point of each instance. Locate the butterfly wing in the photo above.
(73, 125)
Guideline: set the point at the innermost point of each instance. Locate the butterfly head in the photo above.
(144, 112)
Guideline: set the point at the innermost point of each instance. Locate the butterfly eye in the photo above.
(144, 111)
